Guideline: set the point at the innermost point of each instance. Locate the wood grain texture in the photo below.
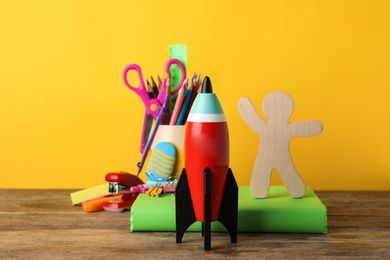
(275, 135)
(43, 224)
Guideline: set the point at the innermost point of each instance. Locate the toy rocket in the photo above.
(207, 190)
(206, 145)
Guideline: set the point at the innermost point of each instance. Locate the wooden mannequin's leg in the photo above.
(292, 180)
(261, 177)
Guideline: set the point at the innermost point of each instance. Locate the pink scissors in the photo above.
(152, 104)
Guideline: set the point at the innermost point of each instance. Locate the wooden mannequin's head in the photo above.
(278, 107)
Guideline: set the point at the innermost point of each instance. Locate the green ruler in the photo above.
(177, 52)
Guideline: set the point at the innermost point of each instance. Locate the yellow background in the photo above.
(67, 118)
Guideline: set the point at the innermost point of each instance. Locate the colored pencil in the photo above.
(159, 82)
(198, 86)
(194, 92)
(149, 89)
(186, 101)
(154, 86)
(178, 104)
(168, 91)
(199, 89)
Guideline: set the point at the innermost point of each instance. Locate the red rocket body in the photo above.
(206, 146)
(207, 190)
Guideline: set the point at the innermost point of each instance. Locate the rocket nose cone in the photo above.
(206, 86)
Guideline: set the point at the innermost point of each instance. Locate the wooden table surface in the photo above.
(41, 224)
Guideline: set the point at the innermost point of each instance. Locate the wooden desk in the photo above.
(44, 224)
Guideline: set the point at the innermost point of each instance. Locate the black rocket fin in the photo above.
(185, 214)
(229, 206)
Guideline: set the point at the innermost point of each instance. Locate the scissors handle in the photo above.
(161, 94)
(137, 68)
(151, 104)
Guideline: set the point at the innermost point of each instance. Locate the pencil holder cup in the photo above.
(173, 134)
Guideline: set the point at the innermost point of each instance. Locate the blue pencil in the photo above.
(186, 101)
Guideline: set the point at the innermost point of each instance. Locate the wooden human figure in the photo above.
(274, 152)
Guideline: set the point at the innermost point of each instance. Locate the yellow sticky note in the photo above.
(90, 193)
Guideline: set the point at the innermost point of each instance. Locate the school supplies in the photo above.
(276, 214)
(120, 182)
(90, 193)
(200, 88)
(178, 52)
(186, 101)
(112, 203)
(149, 89)
(143, 188)
(170, 187)
(152, 105)
(155, 191)
(160, 167)
(120, 204)
(161, 162)
(163, 115)
(85, 201)
(154, 87)
(178, 104)
(159, 82)
(97, 204)
(196, 84)
(165, 120)
(159, 188)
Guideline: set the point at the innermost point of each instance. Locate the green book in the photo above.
(279, 212)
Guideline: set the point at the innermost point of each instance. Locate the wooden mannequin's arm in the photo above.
(305, 128)
(249, 114)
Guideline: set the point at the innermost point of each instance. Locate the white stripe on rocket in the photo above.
(206, 118)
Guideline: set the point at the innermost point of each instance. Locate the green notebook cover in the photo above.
(279, 212)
